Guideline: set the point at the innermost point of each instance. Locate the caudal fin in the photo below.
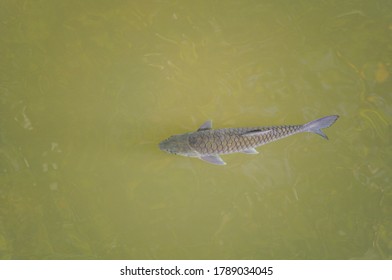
(316, 125)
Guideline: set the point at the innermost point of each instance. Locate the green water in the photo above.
(89, 88)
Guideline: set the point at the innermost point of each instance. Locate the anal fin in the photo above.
(214, 159)
(250, 151)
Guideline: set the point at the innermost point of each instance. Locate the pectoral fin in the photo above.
(205, 126)
(250, 151)
(214, 159)
(256, 132)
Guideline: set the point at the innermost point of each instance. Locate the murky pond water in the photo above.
(89, 88)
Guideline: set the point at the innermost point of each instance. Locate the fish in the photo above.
(208, 144)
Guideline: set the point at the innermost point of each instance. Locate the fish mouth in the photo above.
(167, 146)
(163, 146)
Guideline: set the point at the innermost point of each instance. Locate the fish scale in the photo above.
(232, 140)
(207, 143)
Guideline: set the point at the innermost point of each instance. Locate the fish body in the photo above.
(208, 144)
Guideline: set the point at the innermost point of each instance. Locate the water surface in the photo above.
(89, 88)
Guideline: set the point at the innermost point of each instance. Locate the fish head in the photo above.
(178, 145)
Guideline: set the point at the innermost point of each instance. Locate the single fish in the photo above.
(207, 143)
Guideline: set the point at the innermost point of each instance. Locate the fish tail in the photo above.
(316, 125)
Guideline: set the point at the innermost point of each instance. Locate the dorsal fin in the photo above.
(257, 132)
(206, 126)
